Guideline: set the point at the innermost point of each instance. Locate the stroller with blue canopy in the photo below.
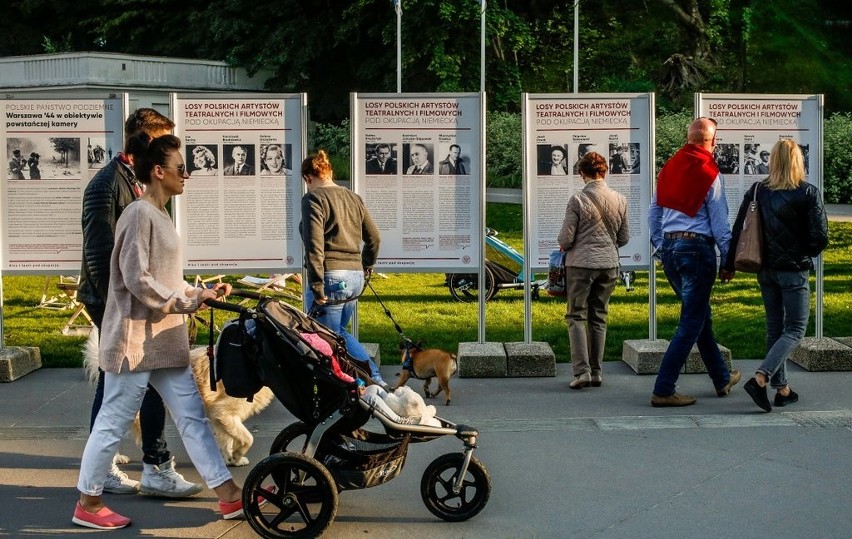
(294, 492)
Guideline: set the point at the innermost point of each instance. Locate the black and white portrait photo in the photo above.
(239, 159)
(552, 160)
(381, 158)
(419, 158)
(275, 159)
(202, 160)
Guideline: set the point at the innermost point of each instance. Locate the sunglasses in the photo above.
(181, 169)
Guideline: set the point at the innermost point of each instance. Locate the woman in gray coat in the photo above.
(595, 226)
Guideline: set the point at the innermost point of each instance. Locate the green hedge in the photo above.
(504, 151)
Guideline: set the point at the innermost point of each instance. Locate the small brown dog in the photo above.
(425, 364)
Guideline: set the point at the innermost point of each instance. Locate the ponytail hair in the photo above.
(317, 165)
(148, 152)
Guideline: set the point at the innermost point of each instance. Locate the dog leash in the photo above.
(408, 362)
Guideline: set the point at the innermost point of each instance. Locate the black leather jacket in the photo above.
(106, 196)
(795, 228)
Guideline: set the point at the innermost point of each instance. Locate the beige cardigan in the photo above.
(584, 237)
(144, 319)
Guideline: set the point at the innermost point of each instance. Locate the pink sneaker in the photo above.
(234, 510)
(104, 519)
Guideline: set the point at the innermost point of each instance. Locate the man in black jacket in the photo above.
(111, 190)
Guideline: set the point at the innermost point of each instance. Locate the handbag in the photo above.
(555, 285)
(749, 253)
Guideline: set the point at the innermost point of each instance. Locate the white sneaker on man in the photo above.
(117, 482)
(164, 480)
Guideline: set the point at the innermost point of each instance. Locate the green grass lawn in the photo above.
(425, 310)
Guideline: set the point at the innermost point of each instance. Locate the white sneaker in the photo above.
(163, 480)
(117, 482)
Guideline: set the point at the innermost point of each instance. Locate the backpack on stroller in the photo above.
(294, 491)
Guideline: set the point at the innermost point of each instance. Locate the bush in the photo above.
(837, 177)
(504, 150)
(670, 133)
(334, 139)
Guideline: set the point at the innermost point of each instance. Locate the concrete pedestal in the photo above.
(482, 360)
(530, 359)
(17, 361)
(373, 349)
(645, 356)
(824, 354)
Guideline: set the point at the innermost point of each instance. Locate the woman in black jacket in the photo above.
(795, 230)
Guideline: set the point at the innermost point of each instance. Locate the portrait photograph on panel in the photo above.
(381, 158)
(455, 162)
(728, 158)
(582, 149)
(276, 159)
(98, 153)
(552, 160)
(43, 158)
(239, 159)
(756, 158)
(202, 159)
(417, 158)
(624, 158)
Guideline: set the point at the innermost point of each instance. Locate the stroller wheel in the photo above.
(436, 488)
(465, 286)
(294, 438)
(304, 503)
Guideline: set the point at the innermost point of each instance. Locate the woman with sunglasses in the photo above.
(144, 338)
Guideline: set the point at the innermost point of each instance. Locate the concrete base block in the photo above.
(694, 365)
(644, 356)
(482, 360)
(530, 359)
(823, 354)
(373, 349)
(17, 361)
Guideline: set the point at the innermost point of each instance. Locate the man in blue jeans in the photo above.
(688, 219)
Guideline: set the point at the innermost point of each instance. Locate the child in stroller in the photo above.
(330, 449)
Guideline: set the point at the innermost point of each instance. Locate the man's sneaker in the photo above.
(163, 480)
(117, 482)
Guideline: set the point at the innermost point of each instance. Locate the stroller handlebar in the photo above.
(240, 293)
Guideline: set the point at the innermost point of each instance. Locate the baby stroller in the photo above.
(294, 491)
(504, 269)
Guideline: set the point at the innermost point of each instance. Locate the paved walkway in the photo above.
(599, 462)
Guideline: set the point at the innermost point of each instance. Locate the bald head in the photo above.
(702, 132)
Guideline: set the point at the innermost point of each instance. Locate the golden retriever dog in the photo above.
(226, 414)
(425, 364)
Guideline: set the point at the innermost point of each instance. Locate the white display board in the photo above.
(430, 219)
(747, 128)
(50, 150)
(561, 128)
(246, 219)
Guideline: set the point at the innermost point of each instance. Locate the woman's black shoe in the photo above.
(782, 400)
(758, 394)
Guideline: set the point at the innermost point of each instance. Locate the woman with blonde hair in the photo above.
(795, 230)
(335, 225)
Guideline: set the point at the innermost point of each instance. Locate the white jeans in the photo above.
(122, 398)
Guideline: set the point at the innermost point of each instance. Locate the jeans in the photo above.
(122, 397)
(786, 299)
(152, 413)
(690, 267)
(588, 293)
(337, 317)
